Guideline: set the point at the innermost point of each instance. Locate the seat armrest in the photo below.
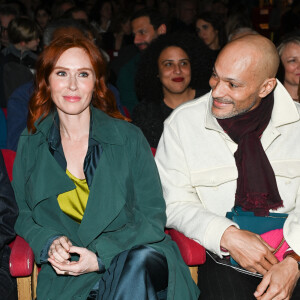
(21, 259)
(192, 252)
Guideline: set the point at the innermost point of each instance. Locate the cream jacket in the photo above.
(198, 171)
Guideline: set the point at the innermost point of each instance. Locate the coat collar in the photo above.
(104, 127)
(284, 110)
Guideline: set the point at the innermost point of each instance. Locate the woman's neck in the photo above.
(173, 100)
(74, 127)
(292, 89)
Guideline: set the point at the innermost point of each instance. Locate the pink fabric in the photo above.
(273, 238)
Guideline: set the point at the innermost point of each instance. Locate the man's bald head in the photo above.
(244, 73)
(258, 50)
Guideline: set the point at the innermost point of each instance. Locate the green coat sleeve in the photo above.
(25, 226)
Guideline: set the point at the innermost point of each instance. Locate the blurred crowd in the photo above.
(123, 30)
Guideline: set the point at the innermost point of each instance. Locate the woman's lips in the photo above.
(178, 79)
(72, 98)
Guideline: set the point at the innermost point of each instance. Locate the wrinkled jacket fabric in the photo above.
(125, 206)
(198, 171)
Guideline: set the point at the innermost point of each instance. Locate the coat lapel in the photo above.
(107, 194)
(49, 179)
(110, 183)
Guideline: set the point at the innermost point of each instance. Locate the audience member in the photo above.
(118, 36)
(8, 216)
(17, 112)
(88, 191)
(210, 29)
(238, 16)
(102, 15)
(77, 13)
(146, 26)
(180, 69)
(42, 17)
(186, 11)
(289, 70)
(7, 13)
(60, 7)
(240, 32)
(18, 59)
(236, 146)
(165, 9)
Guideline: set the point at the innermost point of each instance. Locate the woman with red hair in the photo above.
(88, 191)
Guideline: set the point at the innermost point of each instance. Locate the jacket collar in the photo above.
(104, 127)
(284, 110)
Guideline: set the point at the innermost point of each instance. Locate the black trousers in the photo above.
(217, 282)
(8, 284)
(137, 274)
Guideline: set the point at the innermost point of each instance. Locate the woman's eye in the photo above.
(61, 73)
(168, 64)
(205, 27)
(83, 74)
(233, 85)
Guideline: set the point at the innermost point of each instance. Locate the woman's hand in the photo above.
(87, 263)
(59, 250)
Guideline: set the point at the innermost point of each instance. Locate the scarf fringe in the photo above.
(259, 203)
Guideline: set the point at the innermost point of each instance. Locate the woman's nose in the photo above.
(72, 83)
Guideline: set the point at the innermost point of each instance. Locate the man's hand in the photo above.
(249, 250)
(59, 249)
(87, 263)
(279, 282)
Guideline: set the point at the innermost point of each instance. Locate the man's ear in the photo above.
(162, 29)
(267, 87)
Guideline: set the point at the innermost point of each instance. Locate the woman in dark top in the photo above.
(180, 69)
(210, 28)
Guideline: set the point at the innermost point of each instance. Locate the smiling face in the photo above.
(208, 34)
(72, 82)
(235, 85)
(291, 61)
(174, 70)
(143, 32)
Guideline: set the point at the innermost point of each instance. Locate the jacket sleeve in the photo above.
(36, 235)
(185, 211)
(8, 207)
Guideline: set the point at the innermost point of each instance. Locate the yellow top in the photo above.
(73, 203)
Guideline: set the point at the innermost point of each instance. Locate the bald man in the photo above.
(236, 146)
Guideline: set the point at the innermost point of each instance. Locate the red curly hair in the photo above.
(41, 104)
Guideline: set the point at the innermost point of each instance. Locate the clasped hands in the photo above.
(255, 255)
(59, 258)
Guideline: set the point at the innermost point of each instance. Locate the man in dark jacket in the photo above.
(8, 216)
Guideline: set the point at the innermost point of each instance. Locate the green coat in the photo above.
(125, 206)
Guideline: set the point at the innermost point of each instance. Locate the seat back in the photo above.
(9, 157)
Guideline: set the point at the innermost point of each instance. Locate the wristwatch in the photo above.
(296, 257)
